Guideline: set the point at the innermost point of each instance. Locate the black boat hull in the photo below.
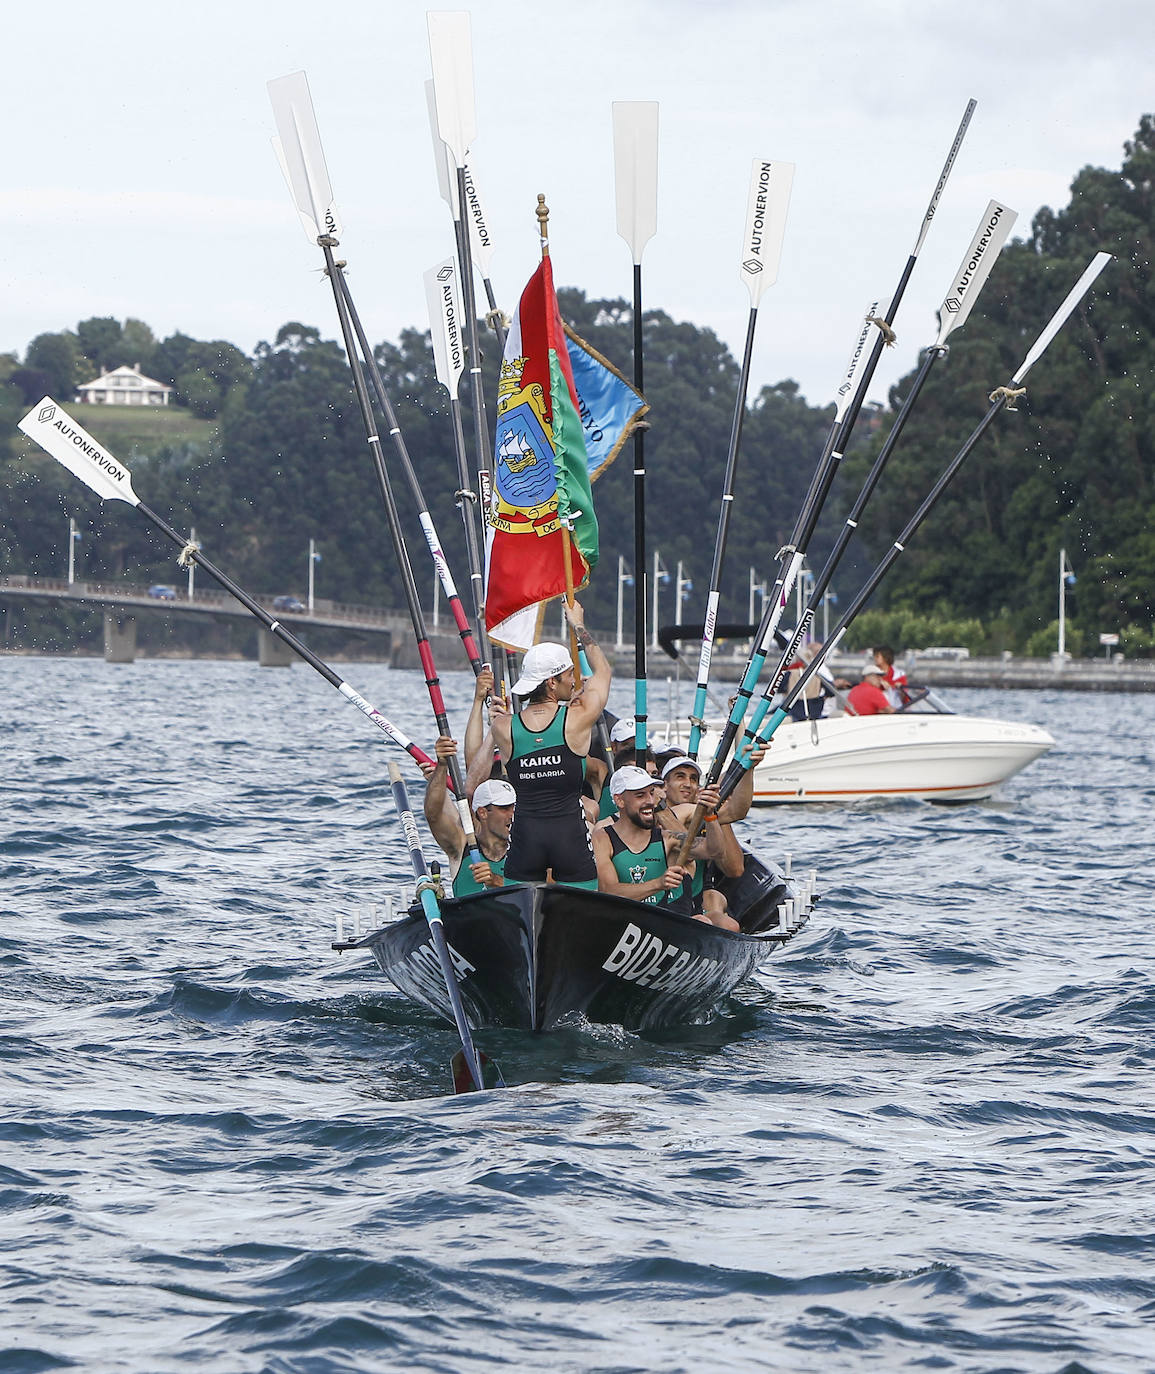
(536, 956)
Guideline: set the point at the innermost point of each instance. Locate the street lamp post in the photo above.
(758, 588)
(625, 579)
(314, 559)
(1066, 579)
(192, 567)
(681, 586)
(661, 574)
(73, 538)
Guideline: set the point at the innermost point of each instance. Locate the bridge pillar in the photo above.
(271, 651)
(119, 638)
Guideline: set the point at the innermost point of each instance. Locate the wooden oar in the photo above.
(636, 195)
(1000, 398)
(471, 1069)
(60, 436)
(767, 204)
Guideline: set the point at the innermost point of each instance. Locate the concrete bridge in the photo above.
(123, 602)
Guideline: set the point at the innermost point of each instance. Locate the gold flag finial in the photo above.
(543, 223)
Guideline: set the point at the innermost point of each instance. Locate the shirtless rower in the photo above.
(633, 851)
(544, 748)
(492, 805)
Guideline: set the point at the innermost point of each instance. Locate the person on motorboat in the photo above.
(867, 698)
(544, 747)
(492, 805)
(633, 852)
(811, 704)
(893, 679)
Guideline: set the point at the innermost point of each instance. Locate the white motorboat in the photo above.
(928, 753)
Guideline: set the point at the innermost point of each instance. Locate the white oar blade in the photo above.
(451, 53)
(1059, 318)
(443, 293)
(846, 387)
(766, 208)
(302, 157)
(636, 171)
(442, 157)
(60, 436)
(944, 176)
(480, 241)
(993, 231)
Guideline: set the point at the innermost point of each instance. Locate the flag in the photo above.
(608, 405)
(540, 472)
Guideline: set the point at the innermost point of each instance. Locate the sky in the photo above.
(139, 178)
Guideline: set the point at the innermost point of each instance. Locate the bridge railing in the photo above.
(138, 591)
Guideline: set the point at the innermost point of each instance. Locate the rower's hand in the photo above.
(445, 748)
(575, 615)
(499, 707)
(710, 798)
(758, 754)
(673, 877)
(483, 874)
(483, 686)
(428, 768)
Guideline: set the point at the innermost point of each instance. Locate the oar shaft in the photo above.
(720, 539)
(287, 637)
(641, 705)
(437, 553)
(416, 615)
(436, 929)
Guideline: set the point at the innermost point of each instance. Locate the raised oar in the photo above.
(984, 248)
(766, 208)
(302, 160)
(481, 245)
(790, 560)
(61, 437)
(851, 395)
(636, 193)
(445, 316)
(437, 553)
(451, 54)
(1000, 399)
(469, 1064)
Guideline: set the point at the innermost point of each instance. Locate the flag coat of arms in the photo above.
(540, 472)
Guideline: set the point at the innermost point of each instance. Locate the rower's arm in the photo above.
(481, 766)
(475, 726)
(586, 708)
(737, 805)
(608, 880)
(440, 812)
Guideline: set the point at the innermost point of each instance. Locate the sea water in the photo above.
(920, 1140)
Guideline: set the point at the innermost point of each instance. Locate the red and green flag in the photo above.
(540, 473)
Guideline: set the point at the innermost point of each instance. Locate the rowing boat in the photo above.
(541, 955)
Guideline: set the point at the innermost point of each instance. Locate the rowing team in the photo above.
(546, 809)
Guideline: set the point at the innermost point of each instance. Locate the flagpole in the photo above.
(636, 194)
(767, 204)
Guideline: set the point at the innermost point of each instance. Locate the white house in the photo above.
(124, 386)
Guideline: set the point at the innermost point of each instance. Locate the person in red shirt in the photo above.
(893, 679)
(868, 698)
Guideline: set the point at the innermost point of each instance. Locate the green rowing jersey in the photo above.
(465, 884)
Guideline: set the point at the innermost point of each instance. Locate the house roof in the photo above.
(111, 381)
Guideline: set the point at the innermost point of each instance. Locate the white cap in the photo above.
(871, 671)
(494, 792)
(629, 779)
(624, 729)
(542, 661)
(681, 762)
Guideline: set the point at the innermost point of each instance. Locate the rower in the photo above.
(633, 851)
(544, 749)
(623, 750)
(682, 778)
(492, 805)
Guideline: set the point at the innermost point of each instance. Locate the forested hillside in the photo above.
(273, 453)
